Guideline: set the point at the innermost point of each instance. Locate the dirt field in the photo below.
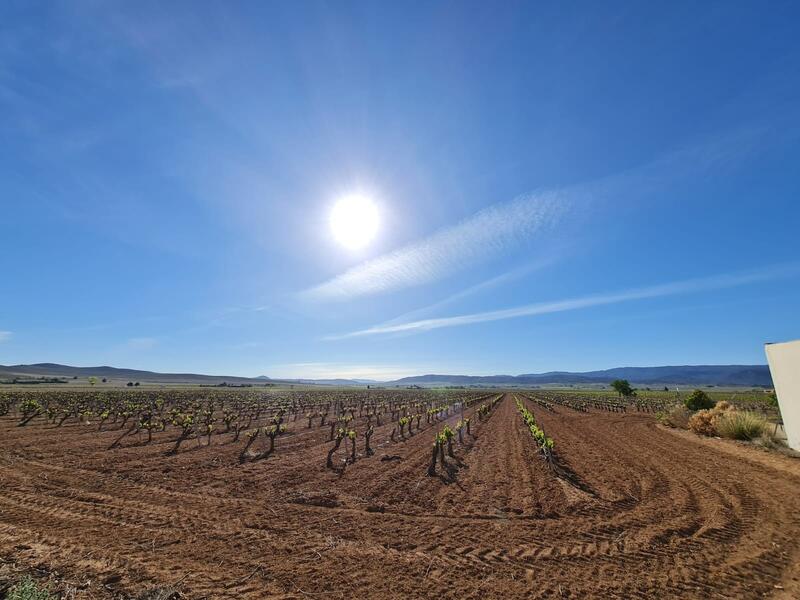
(644, 513)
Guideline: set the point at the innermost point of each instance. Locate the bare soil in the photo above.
(634, 511)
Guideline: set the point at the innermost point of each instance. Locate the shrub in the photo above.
(698, 400)
(28, 589)
(703, 422)
(741, 425)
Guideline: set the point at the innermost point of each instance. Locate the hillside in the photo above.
(65, 371)
(68, 372)
(718, 375)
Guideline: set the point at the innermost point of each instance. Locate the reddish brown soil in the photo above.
(642, 512)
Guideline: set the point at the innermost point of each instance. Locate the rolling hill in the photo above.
(718, 375)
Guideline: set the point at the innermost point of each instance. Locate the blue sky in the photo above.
(561, 186)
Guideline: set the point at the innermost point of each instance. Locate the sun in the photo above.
(354, 221)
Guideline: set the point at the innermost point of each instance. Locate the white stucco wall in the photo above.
(784, 364)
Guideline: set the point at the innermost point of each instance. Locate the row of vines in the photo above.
(255, 420)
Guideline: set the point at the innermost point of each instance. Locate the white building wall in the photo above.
(784, 364)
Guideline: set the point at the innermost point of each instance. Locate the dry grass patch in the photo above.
(677, 416)
(742, 425)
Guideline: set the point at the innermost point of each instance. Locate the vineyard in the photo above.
(244, 493)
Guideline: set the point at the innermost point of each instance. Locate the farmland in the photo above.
(221, 493)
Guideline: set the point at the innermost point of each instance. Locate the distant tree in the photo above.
(105, 380)
(136, 384)
(666, 389)
(698, 400)
(92, 380)
(623, 388)
(130, 384)
(75, 377)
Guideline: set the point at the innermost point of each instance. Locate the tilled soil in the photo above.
(632, 511)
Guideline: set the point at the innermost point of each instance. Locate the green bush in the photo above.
(741, 425)
(698, 400)
(28, 589)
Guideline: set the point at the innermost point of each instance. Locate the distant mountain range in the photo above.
(718, 375)
(65, 371)
(324, 381)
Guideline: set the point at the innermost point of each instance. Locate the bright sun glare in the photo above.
(354, 221)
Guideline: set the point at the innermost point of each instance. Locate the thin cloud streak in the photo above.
(5, 336)
(477, 288)
(487, 233)
(689, 286)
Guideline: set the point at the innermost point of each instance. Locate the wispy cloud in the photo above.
(5, 336)
(502, 227)
(487, 233)
(474, 289)
(688, 286)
